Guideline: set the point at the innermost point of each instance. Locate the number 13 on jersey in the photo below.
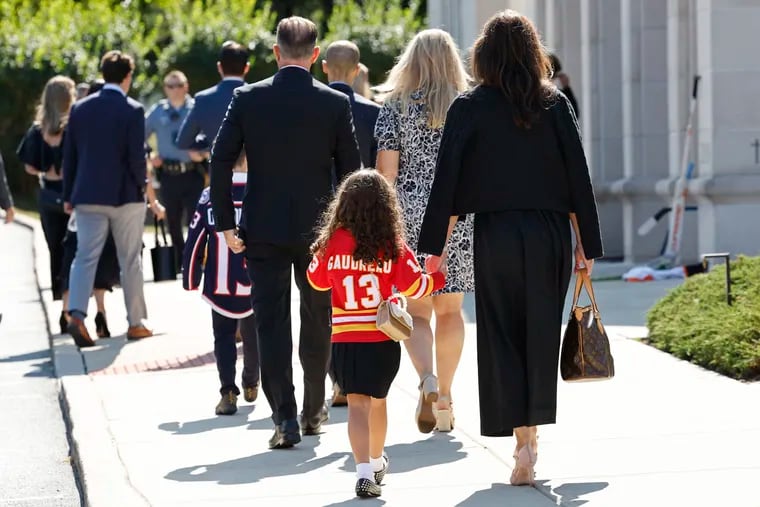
(367, 287)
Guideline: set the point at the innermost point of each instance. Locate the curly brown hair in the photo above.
(366, 205)
(509, 55)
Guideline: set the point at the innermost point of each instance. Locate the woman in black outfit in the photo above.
(41, 151)
(512, 155)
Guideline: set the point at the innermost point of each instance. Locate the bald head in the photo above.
(341, 61)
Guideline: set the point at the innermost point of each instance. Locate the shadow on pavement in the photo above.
(42, 368)
(568, 494)
(103, 354)
(215, 423)
(297, 460)
(439, 449)
(358, 501)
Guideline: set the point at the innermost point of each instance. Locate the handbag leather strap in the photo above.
(583, 280)
(156, 224)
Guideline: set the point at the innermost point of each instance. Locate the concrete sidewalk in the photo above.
(662, 433)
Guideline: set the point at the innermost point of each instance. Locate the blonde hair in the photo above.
(361, 83)
(53, 112)
(430, 63)
(177, 75)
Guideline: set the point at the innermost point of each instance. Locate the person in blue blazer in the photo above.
(201, 125)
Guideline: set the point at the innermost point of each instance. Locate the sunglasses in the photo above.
(172, 86)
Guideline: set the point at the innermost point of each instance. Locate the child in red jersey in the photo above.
(361, 255)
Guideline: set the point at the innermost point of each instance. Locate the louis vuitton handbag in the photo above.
(585, 354)
(393, 319)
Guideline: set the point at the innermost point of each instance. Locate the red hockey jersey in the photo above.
(358, 289)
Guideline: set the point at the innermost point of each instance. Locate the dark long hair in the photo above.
(508, 55)
(367, 206)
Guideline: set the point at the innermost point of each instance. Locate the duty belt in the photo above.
(176, 167)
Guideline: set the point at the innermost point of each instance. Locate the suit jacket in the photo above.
(365, 114)
(206, 116)
(293, 128)
(487, 163)
(104, 151)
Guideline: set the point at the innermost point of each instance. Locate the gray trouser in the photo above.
(126, 224)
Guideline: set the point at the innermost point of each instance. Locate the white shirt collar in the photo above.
(239, 177)
(113, 86)
(233, 78)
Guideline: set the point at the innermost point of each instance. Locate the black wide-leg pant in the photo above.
(523, 264)
(269, 267)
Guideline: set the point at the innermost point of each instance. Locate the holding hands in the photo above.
(435, 263)
(234, 243)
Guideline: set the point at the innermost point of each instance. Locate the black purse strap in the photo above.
(583, 280)
(156, 224)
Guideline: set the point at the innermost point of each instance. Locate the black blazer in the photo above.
(293, 128)
(365, 114)
(487, 163)
(104, 150)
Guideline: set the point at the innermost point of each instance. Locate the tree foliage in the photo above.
(42, 38)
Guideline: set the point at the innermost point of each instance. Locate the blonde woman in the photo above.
(420, 87)
(41, 151)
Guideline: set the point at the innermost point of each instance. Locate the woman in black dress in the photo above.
(41, 151)
(512, 155)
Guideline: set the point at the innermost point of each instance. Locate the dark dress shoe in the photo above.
(101, 326)
(313, 425)
(286, 434)
(227, 405)
(63, 323)
(251, 393)
(78, 331)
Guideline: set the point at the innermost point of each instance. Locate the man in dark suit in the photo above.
(294, 129)
(341, 65)
(202, 123)
(104, 182)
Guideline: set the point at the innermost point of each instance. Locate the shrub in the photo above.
(694, 322)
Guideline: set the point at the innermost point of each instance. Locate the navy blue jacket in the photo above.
(226, 286)
(365, 116)
(104, 151)
(201, 125)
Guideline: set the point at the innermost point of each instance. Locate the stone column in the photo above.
(728, 183)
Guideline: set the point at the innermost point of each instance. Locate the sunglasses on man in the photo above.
(172, 86)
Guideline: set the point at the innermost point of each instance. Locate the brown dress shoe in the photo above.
(78, 331)
(339, 399)
(138, 332)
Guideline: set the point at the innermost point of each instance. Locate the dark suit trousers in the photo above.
(269, 267)
(180, 193)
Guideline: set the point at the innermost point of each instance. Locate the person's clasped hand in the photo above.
(233, 242)
(581, 262)
(435, 263)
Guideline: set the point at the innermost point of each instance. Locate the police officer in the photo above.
(181, 179)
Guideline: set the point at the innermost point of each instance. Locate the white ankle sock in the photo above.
(364, 471)
(377, 463)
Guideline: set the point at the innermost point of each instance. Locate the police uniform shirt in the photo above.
(164, 121)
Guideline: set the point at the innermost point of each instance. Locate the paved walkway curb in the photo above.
(102, 475)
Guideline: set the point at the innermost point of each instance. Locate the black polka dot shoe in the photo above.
(380, 475)
(367, 488)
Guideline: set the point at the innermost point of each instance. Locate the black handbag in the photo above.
(162, 256)
(51, 200)
(585, 351)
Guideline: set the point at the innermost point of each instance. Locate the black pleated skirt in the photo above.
(366, 368)
(523, 264)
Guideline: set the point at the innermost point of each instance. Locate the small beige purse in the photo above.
(393, 319)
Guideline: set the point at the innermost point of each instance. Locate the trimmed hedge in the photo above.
(42, 38)
(694, 322)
